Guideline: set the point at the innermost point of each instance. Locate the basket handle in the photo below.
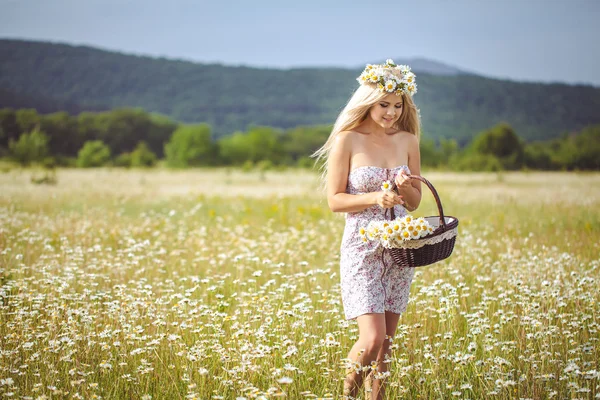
(435, 195)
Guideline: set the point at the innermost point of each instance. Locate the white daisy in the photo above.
(412, 89)
(390, 85)
(404, 69)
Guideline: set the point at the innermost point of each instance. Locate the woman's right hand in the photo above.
(388, 199)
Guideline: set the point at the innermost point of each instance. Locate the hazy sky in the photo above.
(532, 40)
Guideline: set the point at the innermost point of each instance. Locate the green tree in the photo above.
(123, 160)
(260, 143)
(502, 142)
(94, 153)
(302, 141)
(9, 129)
(191, 145)
(27, 119)
(65, 139)
(142, 156)
(448, 150)
(430, 156)
(30, 147)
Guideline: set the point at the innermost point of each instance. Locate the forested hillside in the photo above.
(234, 98)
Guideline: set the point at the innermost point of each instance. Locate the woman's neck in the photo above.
(371, 127)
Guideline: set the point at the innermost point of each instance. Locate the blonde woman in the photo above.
(374, 139)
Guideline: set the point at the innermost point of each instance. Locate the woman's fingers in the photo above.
(401, 178)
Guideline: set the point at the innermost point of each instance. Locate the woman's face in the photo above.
(387, 110)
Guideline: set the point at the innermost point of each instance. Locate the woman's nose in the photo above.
(391, 111)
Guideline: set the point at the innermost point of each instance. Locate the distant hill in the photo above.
(43, 104)
(453, 104)
(423, 65)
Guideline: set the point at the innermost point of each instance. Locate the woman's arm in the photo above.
(411, 190)
(337, 179)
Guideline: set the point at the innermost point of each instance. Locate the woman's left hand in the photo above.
(403, 182)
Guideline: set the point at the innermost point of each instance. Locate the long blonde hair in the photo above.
(356, 111)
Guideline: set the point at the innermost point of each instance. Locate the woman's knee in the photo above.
(373, 341)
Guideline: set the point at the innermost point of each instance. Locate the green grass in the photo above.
(216, 284)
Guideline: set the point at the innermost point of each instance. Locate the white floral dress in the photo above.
(370, 282)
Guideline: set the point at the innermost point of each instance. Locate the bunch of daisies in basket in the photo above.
(389, 77)
(391, 234)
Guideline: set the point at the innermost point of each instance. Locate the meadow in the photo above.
(223, 284)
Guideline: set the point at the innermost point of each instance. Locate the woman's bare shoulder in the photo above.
(404, 135)
(349, 134)
(346, 137)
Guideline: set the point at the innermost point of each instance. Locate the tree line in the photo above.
(134, 138)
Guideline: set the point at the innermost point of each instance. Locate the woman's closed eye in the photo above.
(385, 105)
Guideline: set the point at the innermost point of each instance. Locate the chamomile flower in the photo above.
(412, 89)
(404, 69)
(390, 85)
(386, 186)
(363, 78)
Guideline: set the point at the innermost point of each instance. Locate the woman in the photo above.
(375, 139)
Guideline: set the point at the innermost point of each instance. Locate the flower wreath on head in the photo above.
(389, 77)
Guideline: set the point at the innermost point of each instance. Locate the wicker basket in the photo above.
(431, 248)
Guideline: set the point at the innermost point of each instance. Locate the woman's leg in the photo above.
(378, 385)
(371, 335)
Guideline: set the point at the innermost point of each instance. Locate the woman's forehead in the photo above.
(392, 98)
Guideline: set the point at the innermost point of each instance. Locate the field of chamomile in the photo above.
(223, 284)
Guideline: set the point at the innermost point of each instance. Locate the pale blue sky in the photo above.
(531, 40)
